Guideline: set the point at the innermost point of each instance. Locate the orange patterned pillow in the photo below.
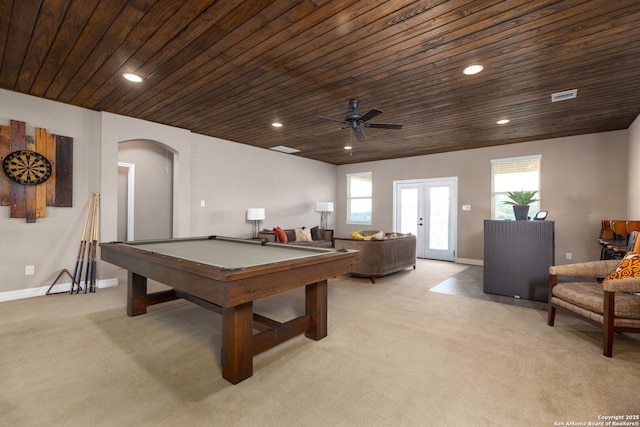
(628, 267)
(282, 236)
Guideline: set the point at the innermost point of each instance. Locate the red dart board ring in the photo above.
(27, 167)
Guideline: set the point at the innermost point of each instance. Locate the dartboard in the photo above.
(27, 167)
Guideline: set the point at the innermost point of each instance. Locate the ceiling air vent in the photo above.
(283, 149)
(563, 96)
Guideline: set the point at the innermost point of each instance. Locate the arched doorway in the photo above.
(145, 190)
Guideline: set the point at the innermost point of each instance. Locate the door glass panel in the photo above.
(409, 211)
(439, 218)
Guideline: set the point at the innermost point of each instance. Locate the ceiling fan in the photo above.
(357, 121)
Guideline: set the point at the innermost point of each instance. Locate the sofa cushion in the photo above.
(590, 296)
(291, 234)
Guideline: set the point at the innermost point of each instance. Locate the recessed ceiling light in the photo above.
(132, 77)
(276, 124)
(473, 69)
(502, 122)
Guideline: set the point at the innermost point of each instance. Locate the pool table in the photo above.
(226, 275)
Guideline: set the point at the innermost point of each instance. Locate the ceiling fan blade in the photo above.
(370, 114)
(383, 125)
(360, 134)
(331, 118)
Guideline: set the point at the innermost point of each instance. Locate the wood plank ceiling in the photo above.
(230, 68)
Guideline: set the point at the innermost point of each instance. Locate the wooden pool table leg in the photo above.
(237, 342)
(316, 308)
(136, 294)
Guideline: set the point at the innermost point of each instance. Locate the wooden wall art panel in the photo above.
(31, 201)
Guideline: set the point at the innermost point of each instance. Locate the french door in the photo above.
(426, 208)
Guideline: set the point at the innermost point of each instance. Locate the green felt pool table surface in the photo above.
(228, 253)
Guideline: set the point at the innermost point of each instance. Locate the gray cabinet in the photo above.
(517, 257)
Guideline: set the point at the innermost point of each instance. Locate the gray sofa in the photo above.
(379, 257)
(322, 238)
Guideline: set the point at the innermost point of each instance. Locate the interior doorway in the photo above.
(145, 190)
(426, 208)
(126, 201)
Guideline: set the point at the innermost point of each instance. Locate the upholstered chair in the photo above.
(612, 303)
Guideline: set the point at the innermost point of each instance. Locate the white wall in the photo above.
(633, 194)
(584, 180)
(232, 177)
(116, 129)
(51, 244)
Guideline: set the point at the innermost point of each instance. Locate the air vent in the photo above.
(563, 96)
(283, 149)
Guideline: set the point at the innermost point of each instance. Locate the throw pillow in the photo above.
(303, 235)
(282, 236)
(315, 233)
(628, 267)
(367, 235)
(378, 235)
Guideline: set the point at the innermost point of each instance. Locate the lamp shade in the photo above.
(324, 206)
(255, 214)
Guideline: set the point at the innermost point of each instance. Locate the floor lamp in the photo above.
(255, 215)
(324, 208)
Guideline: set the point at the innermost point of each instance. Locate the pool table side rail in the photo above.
(234, 287)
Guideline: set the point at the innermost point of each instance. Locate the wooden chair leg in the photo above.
(608, 323)
(551, 315)
(551, 310)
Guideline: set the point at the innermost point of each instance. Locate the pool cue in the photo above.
(94, 237)
(77, 272)
(87, 273)
(87, 276)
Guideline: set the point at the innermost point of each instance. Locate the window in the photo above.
(359, 201)
(513, 174)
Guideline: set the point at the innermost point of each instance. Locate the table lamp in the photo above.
(324, 208)
(255, 215)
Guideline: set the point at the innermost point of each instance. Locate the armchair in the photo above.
(613, 305)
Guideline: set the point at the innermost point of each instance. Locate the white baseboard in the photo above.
(60, 287)
(469, 261)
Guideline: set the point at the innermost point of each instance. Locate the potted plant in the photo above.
(521, 201)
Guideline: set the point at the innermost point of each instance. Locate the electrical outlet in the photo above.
(29, 270)
(202, 203)
(466, 207)
(569, 255)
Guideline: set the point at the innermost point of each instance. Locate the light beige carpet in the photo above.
(396, 355)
